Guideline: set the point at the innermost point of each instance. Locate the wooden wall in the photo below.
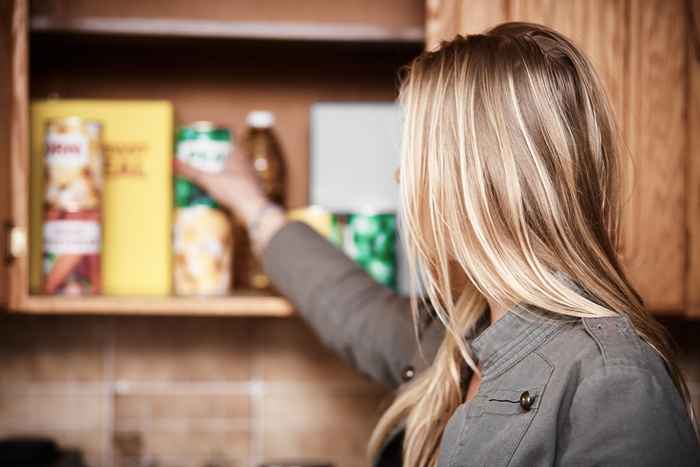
(640, 49)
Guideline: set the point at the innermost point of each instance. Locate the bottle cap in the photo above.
(260, 119)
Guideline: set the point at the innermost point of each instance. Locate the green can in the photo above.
(202, 230)
(370, 239)
(204, 146)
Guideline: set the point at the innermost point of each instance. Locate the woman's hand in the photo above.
(236, 187)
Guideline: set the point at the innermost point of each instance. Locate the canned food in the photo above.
(203, 231)
(204, 146)
(202, 244)
(370, 239)
(72, 204)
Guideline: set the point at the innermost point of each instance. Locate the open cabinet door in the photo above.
(639, 49)
(13, 151)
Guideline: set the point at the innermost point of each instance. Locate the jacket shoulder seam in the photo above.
(616, 340)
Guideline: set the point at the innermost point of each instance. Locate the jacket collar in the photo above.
(519, 332)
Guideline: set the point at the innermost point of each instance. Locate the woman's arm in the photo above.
(368, 324)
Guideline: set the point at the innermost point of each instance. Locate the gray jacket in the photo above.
(555, 390)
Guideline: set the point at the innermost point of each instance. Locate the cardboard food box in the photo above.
(137, 199)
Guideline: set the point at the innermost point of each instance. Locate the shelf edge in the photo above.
(213, 306)
(304, 31)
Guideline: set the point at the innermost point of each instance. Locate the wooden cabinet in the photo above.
(645, 52)
(215, 61)
(221, 61)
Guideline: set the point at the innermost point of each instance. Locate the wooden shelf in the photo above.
(269, 30)
(235, 305)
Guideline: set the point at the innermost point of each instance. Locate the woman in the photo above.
(536, 350)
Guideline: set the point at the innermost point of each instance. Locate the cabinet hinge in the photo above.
(15, 242)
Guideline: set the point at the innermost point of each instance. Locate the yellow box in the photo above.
(138, 197)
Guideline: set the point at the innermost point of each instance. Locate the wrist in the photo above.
(244, 200)
(251, 209)
(245, 206)
(263, 225)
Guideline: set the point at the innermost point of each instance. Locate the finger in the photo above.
(185, 170)
(231, 161)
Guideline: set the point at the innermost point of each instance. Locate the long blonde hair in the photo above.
(511, 170)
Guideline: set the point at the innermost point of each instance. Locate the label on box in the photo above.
(76, 237)
(69, 150)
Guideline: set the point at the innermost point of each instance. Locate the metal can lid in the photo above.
(260, 119)
(74, 120)
(205, 129)
(201, 125)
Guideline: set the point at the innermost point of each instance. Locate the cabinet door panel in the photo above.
(441, 21)
(637, 48)
(598, 27)
(5, 100)
(655, 131)
(13, 147)
(446, 18)
(632, 52)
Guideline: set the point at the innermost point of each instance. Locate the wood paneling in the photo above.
(598, 27)
(441, 21)
(655, 131)
(477, 16)
(693, 164)
(447, 18)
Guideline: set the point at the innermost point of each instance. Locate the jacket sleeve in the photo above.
(624, 415)
(369, 325)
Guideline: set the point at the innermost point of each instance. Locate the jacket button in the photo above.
(408, 373)
(526, 400)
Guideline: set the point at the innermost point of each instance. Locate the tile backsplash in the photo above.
(183, 392)
(196, 392)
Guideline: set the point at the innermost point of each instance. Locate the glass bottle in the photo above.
(263, 149)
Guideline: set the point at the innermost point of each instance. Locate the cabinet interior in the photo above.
(334, 52)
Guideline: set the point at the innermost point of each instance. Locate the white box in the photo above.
(355, 151)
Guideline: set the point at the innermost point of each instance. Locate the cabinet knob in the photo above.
(15, 242)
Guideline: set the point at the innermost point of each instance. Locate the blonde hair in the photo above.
(511, 170)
